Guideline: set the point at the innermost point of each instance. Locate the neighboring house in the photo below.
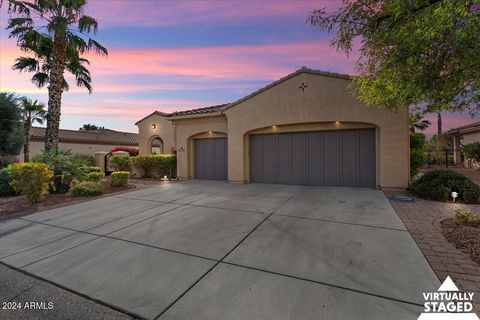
(81, 141)
(463, 135)
(305, 128)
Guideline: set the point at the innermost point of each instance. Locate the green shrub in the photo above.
(119, 178)
(30, 179)
(87, 188)
(5, 187)
(81, 159)
(418, 154)
(65, 167)
(156, 165)
(94, 176)
(120, 163)
(439, 184)
(467, 217)
(83, 171)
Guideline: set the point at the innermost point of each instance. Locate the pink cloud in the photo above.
(168, 13)
(205, 66)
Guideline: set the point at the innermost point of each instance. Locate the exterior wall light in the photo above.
(154, 126)
(337, 122)
(454, 195)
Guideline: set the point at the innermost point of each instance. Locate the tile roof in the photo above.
(211, 109)
(101, 136)
(466, 127)
(223, 107)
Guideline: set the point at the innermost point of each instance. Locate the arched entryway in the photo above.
(156, 145)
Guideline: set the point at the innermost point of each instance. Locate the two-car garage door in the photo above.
(325, 158)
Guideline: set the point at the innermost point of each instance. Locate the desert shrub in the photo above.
(418, 154)
(65, 167)
(120, 163)
(30, 179)
(81, 159)
(93, 176)
(467, 217)
(83, 171)
(156, 165)
(87, 188)
(133, 151)
(119, 178)
(439, 184)
(5, 187)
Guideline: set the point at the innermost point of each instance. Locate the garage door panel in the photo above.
(314, 158)
(284, 157)
(350, 149)
(270, 164)
(256, 158)
(333, 158)
(211, 158)
(350, 177)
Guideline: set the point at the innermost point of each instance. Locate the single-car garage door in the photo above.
(323, 158)
(211, 158)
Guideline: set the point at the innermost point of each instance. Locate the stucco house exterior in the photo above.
(81, 141)
(463, 135)
(305, 128)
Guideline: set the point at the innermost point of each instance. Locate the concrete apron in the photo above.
(211, 250)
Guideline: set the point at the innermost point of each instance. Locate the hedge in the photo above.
(120, 163)
(156, 165)
(439, 184)
(119, 178)
(30, 179)
(87, 188)
(94, 176)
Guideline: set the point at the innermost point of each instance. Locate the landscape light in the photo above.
(454, 195)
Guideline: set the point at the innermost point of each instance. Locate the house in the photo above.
(81, 141)
(305, 128)
(463, 135)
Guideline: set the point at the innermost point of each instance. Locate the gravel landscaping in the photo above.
(463, 237)
(19, 205)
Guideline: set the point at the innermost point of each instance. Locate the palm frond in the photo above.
(87, 24)
(19, 22)
(40, 79)
(97, 47)
(27, 64)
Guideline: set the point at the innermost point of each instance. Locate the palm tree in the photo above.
(57, 46)
(32, 111)
(417, 122)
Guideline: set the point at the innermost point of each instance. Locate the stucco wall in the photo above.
(38, 146)
(471, 137)
(189, 129)
(163, 129)
(323, 102)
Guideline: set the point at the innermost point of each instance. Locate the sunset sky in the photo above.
(176, 55)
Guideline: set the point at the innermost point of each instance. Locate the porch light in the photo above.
(454, 195)
(154, 126)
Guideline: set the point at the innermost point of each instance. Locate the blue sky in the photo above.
(175, 55)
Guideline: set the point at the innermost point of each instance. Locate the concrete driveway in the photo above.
(211, 250)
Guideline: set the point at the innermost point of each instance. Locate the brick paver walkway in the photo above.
(422, 219)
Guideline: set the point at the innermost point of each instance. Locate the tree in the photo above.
(417, 122)
(418, 52)
(11, 125)
(57, 46)
(90, 127)
(32, 111)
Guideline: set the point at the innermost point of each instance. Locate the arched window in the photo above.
(156, 146)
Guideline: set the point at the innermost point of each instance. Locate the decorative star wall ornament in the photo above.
(303, 86)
